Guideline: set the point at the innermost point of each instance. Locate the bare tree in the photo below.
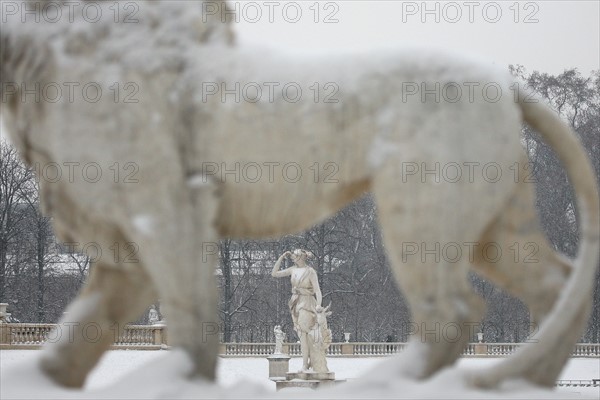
(15, 179)
(43, 247)
(575, 98)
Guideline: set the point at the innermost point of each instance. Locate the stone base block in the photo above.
(309, 384)
(481, 349)
(311, 376)
(278, 366)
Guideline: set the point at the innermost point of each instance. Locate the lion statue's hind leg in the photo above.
(530, 270)
(429, 223)
(442, 303)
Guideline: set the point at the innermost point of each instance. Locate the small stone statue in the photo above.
(3, 314)
(153, 316)
(279, 339)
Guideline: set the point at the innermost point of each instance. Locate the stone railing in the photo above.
(32, 336)
(28, 335)
(502, 349)
(142, 336)
(371, 349)
(247, 349)
(153, 337)
(586, 350)
(354, 349)
(578, 383)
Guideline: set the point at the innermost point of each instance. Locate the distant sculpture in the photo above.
(279, 338)
(309, 317)
(3, 314)
(153, 316)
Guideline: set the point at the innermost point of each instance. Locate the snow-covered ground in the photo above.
(157, 374)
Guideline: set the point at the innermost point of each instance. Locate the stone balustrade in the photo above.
(248, 349)
(372, 349)
(27, 335)
(578, 383)
(153, 337)
(142, 336)
(32, 336)
(586, 350)
(502, 349)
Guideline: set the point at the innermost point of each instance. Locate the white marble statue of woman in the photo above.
(306, 296)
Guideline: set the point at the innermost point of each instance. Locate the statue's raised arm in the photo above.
(276, 273)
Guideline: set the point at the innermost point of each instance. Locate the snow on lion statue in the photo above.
(216, 143)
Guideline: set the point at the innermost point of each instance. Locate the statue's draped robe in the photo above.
(303, 298)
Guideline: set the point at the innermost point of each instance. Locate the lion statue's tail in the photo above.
(562, 328)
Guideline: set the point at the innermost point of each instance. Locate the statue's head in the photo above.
(300, 254)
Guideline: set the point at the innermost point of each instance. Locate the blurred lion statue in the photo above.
(197, 138)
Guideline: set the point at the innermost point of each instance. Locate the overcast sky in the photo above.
(542, 35)
(545, 35)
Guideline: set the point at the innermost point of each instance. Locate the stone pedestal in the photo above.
(480, 349)
(4, 334)
(310, 380)
(347, 349)
(311, 376)
(279, 365)
(306, 384)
